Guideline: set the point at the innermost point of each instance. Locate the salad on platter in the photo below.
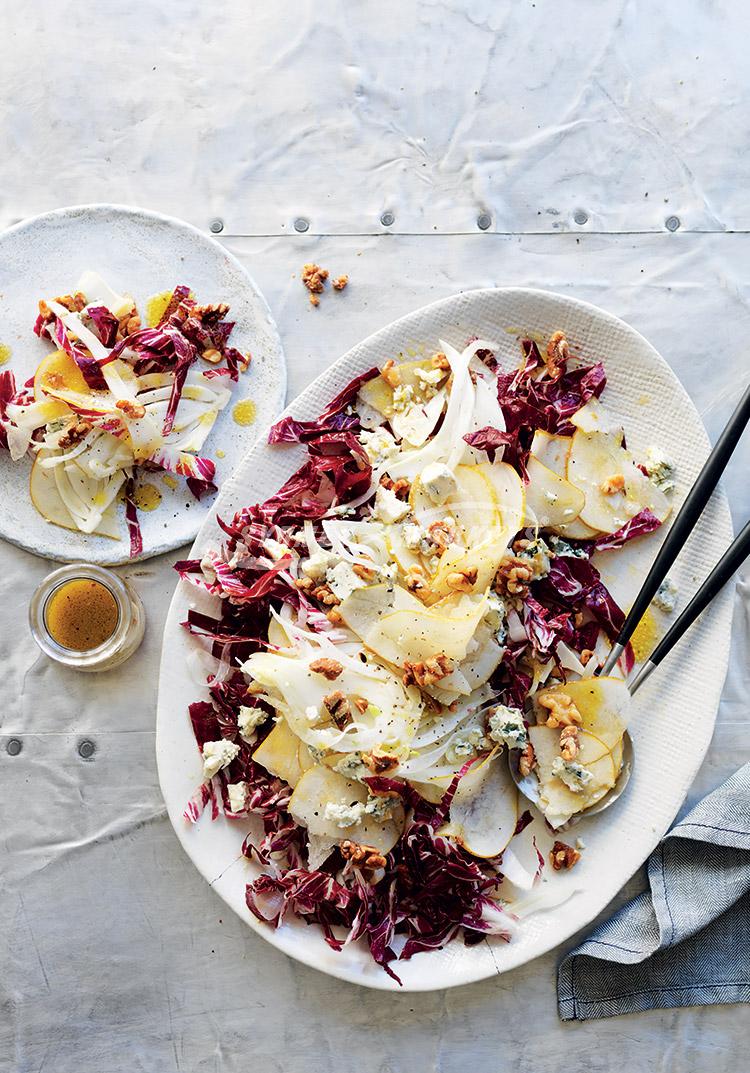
(417, 599)
(115, 399)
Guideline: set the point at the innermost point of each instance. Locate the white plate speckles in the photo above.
(141, 253)
(673, 714)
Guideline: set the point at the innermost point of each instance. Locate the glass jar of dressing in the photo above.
(86, 617)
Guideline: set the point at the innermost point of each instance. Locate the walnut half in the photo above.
(562, 856)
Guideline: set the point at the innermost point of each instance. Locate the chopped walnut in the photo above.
(74, 433)
(337, 707)
(334, 616)
(305, 584)
(526, 761)
(360, 703)
(314, 300)
(324, 595)
(415, 581)
(361, 855)
(212, 312)
(45, 312)
(243, 362)
(129, 323)
(586, 655)
(578, 620)
(133, 410)
(427, 672)
(558, 352)
(339, 283)
(462, 580)
(562, 710)
(612, 485)
(72, 302)
(391, 374)
(314, 278)
(400, 488)
(329, 668)
(569, 743)
(379, 765)
(212, 356)
(563, 856)
(367, 573)
(439, 361)
(441, 534)
(513, 577)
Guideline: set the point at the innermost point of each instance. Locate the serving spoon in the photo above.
(735, 555)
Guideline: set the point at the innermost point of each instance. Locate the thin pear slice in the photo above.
(475, 506)
(46, 498)
(594, 459)
(379, 394)
(283, 754)
(484, 812)
(551, 499)
(552, 451)
(557, 802)
(484, 559)
(509, 493)
(604, 705)
(58, 377)
(320, 786)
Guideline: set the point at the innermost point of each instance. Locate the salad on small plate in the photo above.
(418, 598)
(115, 399)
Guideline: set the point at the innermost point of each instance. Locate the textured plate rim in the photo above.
(102, 208)
(607, 890)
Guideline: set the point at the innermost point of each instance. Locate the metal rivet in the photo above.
(216, 226)
(581, 217)
(672, 223)
(387, 219)
(14, 746)
(86, 749)
(301, 225)
(484, 221)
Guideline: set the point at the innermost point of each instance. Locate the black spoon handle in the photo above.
(734, 556)
(683, 525)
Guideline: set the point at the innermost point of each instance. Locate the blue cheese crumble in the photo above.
(666, 596)
(248, 719)
(217, 755)
(465, 745)
(660, 469)
(345, 815)
(506, 727)
(575, 776)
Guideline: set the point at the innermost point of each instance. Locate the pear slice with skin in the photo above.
(320, 786)
(45, 495)
(556, 801)
(379, 394)
(604, 705)
(283, 754)
(551, 499)
(484, 811)
(509, 494)
(552, 451)
(594, 459)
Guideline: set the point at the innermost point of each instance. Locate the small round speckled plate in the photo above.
(143, 254)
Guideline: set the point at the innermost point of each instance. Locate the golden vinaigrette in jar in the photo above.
(86, 617)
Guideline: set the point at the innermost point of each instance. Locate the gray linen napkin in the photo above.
(685, 941)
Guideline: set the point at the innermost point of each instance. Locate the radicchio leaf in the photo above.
(643, 522)
(289, 430)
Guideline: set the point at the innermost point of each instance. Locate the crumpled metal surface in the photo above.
(114, 953)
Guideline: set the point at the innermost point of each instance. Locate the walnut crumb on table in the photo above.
(339, 283)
